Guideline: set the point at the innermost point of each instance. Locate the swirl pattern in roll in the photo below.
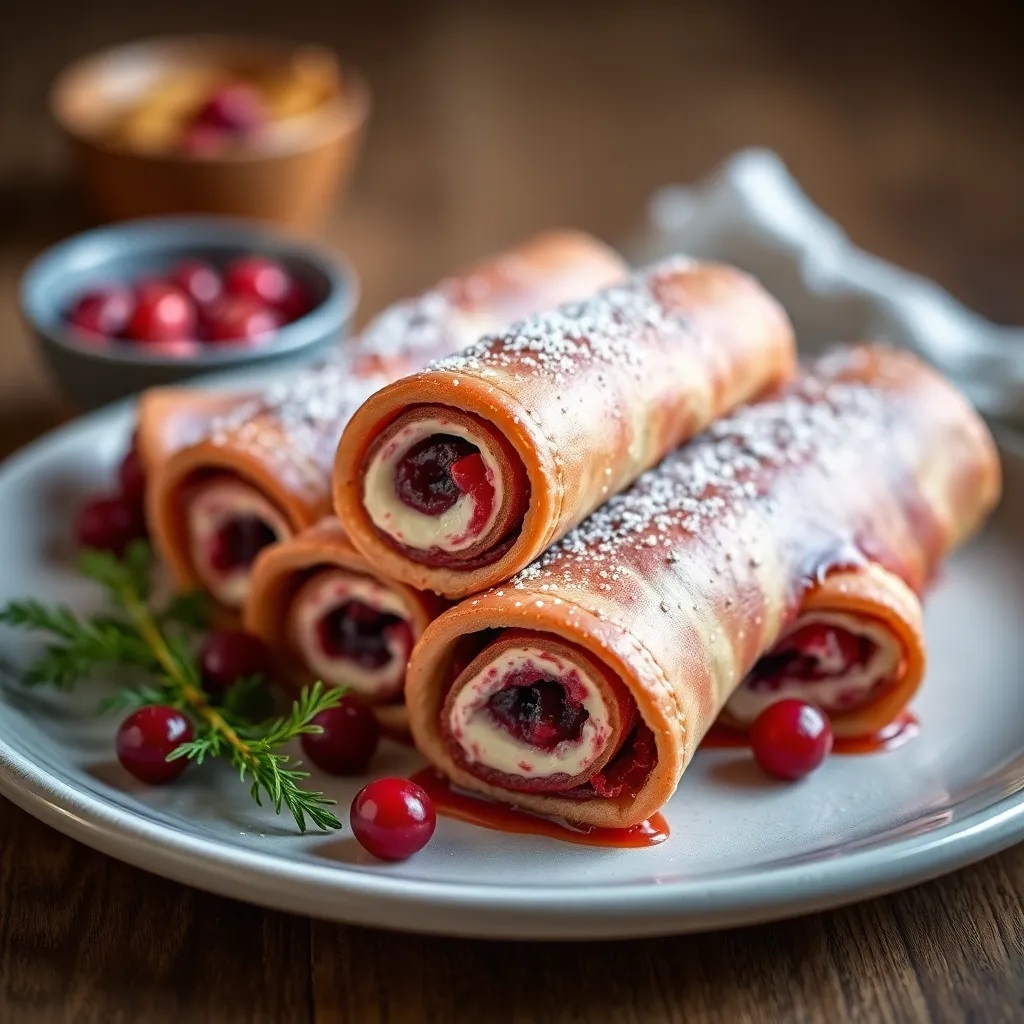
(582, 687)
(456, 477)
(231, 475)
(327, 615)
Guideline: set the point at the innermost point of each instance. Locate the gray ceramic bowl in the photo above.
(123, 253)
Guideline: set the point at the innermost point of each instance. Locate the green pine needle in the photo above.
(138, 637)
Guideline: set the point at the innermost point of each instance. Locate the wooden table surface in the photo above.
(490, 121)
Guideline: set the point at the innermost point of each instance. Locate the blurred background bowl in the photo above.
(89, 375)
(292, 178)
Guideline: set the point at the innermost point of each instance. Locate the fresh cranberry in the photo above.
(145, 740)
(240, 318)
(393, 818)
(237, 109)
(163, 312)
(131, 477)
(199, 280)
(232, 654)
(109, 524)
(203, 141)
(296, 302)
(348, 741)
(423, 480)
(103, 312)
(258, 277)
(791, 738)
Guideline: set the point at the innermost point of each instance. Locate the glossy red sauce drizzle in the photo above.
(453, 803)
(902, 729)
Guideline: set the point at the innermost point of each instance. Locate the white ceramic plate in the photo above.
(743, 849)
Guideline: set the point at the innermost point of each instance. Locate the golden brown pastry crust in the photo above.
(282, 441)
(589, 397)
(278, 573)
(868, 462)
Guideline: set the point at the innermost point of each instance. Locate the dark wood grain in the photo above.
(84, 938)
(490, 120)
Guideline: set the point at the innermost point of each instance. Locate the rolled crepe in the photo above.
(456, 477)
(840, 493)
(327, 615)
(230, 475)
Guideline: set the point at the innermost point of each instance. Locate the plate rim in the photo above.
(379, 899)
(469, 909)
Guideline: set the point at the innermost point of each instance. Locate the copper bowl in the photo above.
(292, 179)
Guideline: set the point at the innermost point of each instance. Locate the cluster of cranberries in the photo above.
(791, 738)
(194, 304)
(392, 818)
(112, 522)
(234, 114)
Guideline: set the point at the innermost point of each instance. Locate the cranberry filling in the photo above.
(540, 713)
(423, 478)
(360, 633)
(628, 770)
(237, 543)
(815, 651)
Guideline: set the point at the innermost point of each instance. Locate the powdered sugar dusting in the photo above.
(420, 325)
(816, 420)
(603, 328)
(294, 424)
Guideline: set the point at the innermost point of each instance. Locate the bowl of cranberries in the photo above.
(130, 306)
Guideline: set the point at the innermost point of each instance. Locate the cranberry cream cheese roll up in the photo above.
(260, 471)
(327, 615)
(454, 478)
(582, 687)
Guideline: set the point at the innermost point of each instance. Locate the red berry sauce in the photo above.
(237, 543)
(360, 633)
(423, 477)
(537, 712)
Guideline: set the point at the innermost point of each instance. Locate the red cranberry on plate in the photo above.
(110, 524)
(199, 280)
(237, 109)
(393, 818)
(163, 313)
(103, 312)
(229, 655)
(791, 738)
(258, 277)
(349, 738)
(145, 740)
(240, 318)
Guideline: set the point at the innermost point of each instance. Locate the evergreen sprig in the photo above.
(141, 638)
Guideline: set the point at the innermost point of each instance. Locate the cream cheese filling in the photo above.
(410, 527)
(838, 693)
(213, 506)
(484, 741)
(318, 597)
